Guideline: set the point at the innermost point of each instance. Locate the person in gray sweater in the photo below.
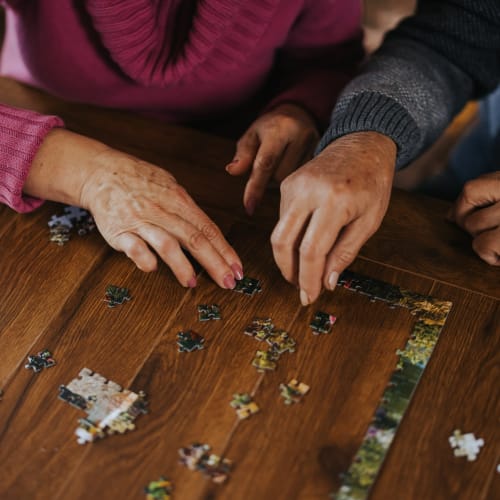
(402, 100)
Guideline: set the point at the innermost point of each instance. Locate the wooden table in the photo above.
(52, 297)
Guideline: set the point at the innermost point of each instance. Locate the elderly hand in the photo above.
(477, 210)
(139, 208)
(274, 146)
(330, 207)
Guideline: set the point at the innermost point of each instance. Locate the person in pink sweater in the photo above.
(279, 62)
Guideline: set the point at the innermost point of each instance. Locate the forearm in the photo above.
(422, 76)
(21, 134)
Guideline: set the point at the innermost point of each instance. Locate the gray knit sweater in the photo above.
(423, 74)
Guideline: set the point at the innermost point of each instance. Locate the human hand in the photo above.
(477, 210)
(330, 207)
(138, 207)
(274, 146)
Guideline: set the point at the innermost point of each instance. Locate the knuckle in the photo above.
(308, 250)
(345, 256)
(167, 246)
(265, 163)
(196, 240)
(210, 231)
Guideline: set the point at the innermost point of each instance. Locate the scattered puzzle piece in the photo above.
(109, 408)
(265, 360)
(60, 220)
(159, 490)
(116, 295)
(244, 405)
(293, 391)
(85, 226)
(189, 341)
(260, 328)
(197, 457)
(281, 342)
(40, 361)
(59, 234)
(248, 286)
(322, 323)
(465, 445)
(208, 312)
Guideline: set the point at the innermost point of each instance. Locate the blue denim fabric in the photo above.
(477, 153)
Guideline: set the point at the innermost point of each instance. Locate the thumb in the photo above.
(246, 151)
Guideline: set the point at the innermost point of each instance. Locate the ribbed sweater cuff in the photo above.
(371, 111)
(21, 134)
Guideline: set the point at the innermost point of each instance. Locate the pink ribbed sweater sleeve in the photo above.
(21, 134)
(321, 55)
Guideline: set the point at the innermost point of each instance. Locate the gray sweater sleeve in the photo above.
(422, 76)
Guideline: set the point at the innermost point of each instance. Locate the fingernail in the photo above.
(192, 282)
(238, 272)
(229, 282)
(304, 298)
(230, 165)
(332, 280)
(250, 206)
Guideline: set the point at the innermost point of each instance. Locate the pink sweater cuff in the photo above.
(21, 134)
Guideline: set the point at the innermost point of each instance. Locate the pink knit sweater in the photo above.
(183, 60)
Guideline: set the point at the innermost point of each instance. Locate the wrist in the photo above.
(62, 166)
(381, 148)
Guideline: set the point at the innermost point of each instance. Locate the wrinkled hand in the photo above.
(477, 210)
(330, 207)
(139, 208)
(274, 146)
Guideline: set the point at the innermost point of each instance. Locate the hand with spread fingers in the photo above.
(274, 146)
(139, 208)
(477, 211)
(330, 207)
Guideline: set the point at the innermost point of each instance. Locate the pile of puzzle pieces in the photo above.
(109, 408)
(279, 341)
(60, 226)
(465, 445)
(197, 457)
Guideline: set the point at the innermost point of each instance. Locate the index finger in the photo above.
(214, 235)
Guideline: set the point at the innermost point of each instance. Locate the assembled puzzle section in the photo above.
(430, 316)
(109, 408)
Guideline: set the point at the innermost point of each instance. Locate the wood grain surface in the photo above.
(52, 297)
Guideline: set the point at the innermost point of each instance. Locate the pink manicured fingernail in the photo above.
(238, 272)
(229, 281)
(192, 282)
(250, 206)
(332, 280)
